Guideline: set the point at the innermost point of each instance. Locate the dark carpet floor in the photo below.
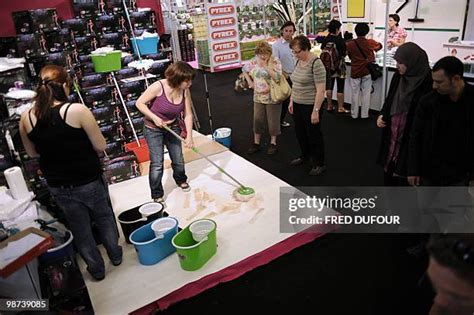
(337, 273)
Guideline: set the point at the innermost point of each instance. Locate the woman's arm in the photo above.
(249, 79)
(318, 101)
(149, 95)
(90, 126)
(188, 119)
(29, 146)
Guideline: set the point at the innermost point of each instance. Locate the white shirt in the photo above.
(281, 49)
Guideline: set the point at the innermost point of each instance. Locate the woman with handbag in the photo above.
(408, 85)
(309, 88)
(261, 73)
(361, 52)
(168, 99)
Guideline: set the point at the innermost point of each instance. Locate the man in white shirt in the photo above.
(281, 49)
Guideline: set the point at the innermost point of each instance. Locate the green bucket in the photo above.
(111, 61)
(195, 254)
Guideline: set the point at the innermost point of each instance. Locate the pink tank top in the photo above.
(164, 109)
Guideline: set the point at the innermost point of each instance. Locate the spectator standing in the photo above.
(281, 49)
(333, 58)
(361, 81)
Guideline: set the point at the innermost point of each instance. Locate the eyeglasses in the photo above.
(464, 251)
(296, 52)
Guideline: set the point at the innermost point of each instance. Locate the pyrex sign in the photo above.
(223, 34)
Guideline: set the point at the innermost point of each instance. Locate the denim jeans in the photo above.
(156, 139)
(82, 205)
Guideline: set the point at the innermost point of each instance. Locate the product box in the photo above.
(85, 6)
(58, 40)
(115, 149)
(126, 73)
(132, 89)
(116, 40)
(143, 19)
(132, 109)
(93, 80)
(77, 26)
(98, 96)
(35, 242)
(27, 44)
(107, 23)
(108, 114)
(8, 47)
(121, 168)
(30, 21)
(86, 44)
(158, 68)
(114, 132)
(138, 124)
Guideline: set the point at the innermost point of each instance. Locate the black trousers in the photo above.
(310, 137)
(285, 104)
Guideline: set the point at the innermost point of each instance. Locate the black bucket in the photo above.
(129, 220)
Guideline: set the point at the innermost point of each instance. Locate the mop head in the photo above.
(243, 194)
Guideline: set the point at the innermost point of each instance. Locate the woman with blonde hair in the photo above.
(258, 73)
(167, 102)
(67, 140)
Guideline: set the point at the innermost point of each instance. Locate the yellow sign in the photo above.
(355, 8)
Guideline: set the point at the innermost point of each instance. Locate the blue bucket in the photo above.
(154, 245)
(223, 136)
(146, 46)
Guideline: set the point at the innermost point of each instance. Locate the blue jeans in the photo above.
(156, 139)
(82, 205)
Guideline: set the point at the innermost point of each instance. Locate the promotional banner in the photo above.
(223, 34)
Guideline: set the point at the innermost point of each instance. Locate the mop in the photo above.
(242, 193)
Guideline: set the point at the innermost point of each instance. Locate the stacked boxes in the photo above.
(203, 52)
(186, 45)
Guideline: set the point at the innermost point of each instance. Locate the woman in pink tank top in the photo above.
(166, 102)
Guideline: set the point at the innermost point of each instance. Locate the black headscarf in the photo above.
(418, 67)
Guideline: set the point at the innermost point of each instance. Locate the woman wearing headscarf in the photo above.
(409, 84)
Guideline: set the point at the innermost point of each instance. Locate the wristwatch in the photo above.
(316, 110)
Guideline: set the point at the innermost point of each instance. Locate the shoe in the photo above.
(253, 148)
(116, 262)
(185, 187)
(315, 171)
(160, 200)
(272, 149)
(285, 124)
(343, 111)
(297, 161)
(96, 276)
(330, 109)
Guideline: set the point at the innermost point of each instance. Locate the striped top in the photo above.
(164, 108)
(305, 78)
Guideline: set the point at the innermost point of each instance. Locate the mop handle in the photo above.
(126, 110)
(204, 156)
(131, 30)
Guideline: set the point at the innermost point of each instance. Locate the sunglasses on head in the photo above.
(464, 251)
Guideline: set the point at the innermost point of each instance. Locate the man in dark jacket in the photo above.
(441, 148)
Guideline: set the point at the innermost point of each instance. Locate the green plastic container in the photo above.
(108, 62)
(193, 255)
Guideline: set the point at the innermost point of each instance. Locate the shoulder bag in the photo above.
(374, 69)
(279, 91)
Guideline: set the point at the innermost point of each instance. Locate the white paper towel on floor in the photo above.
(16, 183)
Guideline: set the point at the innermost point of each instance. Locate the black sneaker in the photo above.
(116, 262)
(285, 124)
(253, 148)
(315, 171)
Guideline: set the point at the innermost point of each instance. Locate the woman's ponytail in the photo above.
(50, 90)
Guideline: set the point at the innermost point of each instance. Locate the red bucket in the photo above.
(141, 152)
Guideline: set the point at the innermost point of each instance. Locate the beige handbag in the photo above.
(279, 91)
